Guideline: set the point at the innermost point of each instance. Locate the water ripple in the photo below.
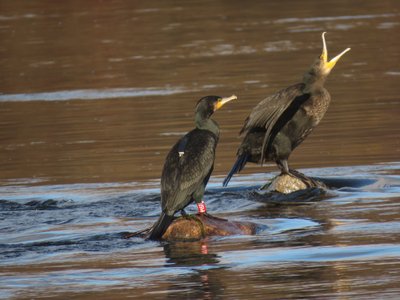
(334, 18)
(91, 94)
(306, 254)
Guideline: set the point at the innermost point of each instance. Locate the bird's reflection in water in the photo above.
(202, 284)
(207, 284)
(189, 254)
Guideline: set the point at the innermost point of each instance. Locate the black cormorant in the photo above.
(189, 164)
(279, 123)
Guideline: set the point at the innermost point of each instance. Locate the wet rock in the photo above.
(287, 184)
(286, 189)
(196, 227)
(296, 197)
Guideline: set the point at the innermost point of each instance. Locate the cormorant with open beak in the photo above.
(279, 123)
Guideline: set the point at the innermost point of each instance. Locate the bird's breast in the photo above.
(316, 106)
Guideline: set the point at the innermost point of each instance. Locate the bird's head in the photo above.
(324, 65)
(209, 104)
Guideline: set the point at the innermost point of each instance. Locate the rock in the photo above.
(282, 189)
(287, 184)
(196, 227)
(296, 197)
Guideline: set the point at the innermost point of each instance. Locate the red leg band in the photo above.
(201, 207)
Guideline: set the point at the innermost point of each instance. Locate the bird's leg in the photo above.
(187, 216)
(283, 166)
(198, 198)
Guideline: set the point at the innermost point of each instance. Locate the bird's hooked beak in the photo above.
(221, 101)
(328, 65)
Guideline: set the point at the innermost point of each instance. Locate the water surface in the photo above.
(93, 95)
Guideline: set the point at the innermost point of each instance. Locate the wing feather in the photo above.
(183, 174)
(267, 113)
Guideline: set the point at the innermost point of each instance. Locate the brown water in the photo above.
(92, 96)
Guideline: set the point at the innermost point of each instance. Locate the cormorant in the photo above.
(189, 164)
(279, 123)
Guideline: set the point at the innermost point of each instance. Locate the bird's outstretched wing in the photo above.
(267, 113)
(184, 172)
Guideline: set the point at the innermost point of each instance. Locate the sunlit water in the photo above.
(67, 241)
(92, 96)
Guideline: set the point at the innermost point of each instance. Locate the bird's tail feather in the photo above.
(160, 226)
(237, 167)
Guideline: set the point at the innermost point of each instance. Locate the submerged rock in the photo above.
(286, 189)
(296, 197)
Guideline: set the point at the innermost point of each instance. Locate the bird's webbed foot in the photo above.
(187, 216)
(265, 186)
(309, 182)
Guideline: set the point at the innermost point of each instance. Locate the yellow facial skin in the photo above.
(223, 101)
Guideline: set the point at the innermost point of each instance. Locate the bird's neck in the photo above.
(206, 124)
(313, 82)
